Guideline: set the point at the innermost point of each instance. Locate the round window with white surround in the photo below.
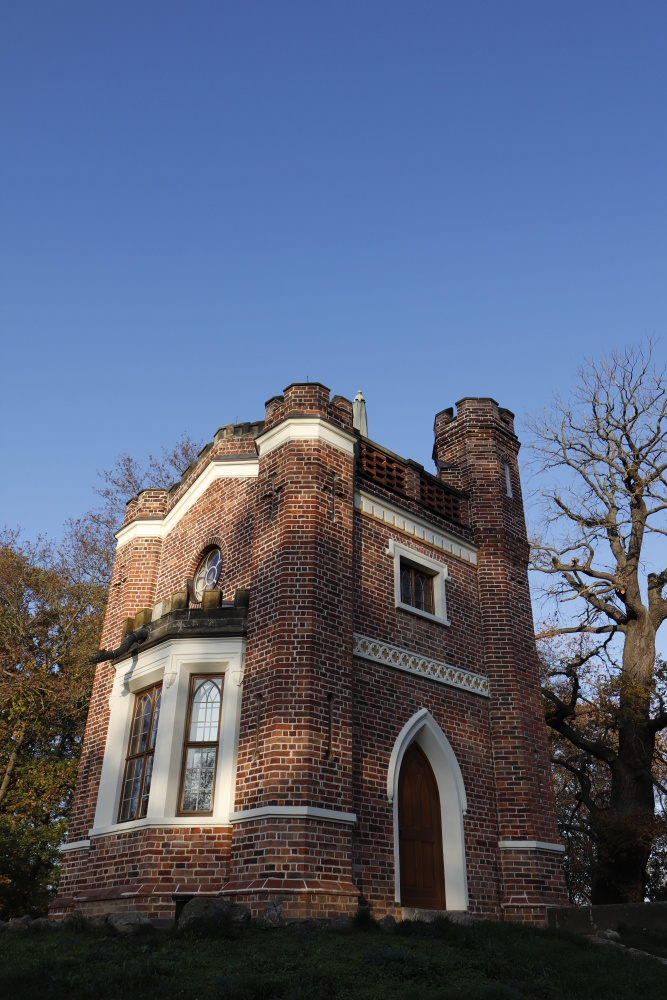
(208, 573)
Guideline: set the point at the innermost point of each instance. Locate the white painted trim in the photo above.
(434, 567)
(424, 730)
(159, 527)
(153, 823)
(292, 812)
(305, 429)
(171, 662)
(414, 663)
(530, 845)
(421, 530)
(76, 845)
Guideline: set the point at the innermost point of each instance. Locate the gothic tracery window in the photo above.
(200, 753)
(140, 754)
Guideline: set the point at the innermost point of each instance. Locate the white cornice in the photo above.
(423, 666)
(293, 812)
(159, 527)
(149, 823)
(414, 527)
(530, 845)
(76, 845)
(305, 429)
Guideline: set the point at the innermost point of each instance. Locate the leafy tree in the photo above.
(50, 621)
(52, 603)
(603, 520)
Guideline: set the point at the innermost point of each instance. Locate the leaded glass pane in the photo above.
(142, 715)
(208, 573)
(156, 719)
(198, 779)
(146, 790)
(428, 595)
(128, 809)
(406, 587)
(419, 591)
(205, 713)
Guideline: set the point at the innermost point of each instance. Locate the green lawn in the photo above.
(654, 942)
(418, 962)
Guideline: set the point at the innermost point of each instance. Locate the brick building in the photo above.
(321, 681)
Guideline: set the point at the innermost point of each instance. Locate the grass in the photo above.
(440, 961)
(654, 942)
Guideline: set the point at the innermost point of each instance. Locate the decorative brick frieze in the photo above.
(434, 670)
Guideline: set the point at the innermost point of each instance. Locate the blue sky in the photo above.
(204, 202)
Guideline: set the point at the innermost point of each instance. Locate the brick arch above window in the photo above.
(198, 552)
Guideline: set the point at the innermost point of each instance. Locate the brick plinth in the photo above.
(139, 870)
(531, 880)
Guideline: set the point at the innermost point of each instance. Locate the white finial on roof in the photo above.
(359, 419)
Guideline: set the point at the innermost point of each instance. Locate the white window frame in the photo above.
(435, 569)
(508, 481)
(171, 663)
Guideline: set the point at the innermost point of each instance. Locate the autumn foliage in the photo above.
(52, 603)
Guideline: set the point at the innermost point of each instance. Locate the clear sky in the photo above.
(203, 202)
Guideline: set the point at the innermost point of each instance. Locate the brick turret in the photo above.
(477, 450)
(299, 661)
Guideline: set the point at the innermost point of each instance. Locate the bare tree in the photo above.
(127, 477)
(605, 514)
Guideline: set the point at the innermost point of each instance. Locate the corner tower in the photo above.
(293, 821)
(477, 450)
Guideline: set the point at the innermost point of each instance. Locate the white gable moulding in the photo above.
(159, 527)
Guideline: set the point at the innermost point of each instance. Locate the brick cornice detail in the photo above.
(423, 666)
(419, 530)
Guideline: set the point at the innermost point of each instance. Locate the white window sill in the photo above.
(155, 823)
(423, 614)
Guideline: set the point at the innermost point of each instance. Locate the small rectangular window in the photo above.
(140, 754)
(200, 752)
(416, 588)
(508, 480)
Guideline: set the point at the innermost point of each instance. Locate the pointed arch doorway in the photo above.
(422, 870)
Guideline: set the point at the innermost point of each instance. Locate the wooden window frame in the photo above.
(146, 753)
(414, 571)
(405, 557)
(200, 744)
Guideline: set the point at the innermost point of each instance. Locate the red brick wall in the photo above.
(377, 616)
(385, 699)
(476, 444)
(143, 868)
(147, 570)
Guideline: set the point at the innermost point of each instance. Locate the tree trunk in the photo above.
(625, 831)
(11, 764)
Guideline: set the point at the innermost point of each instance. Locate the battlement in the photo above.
(308, 398)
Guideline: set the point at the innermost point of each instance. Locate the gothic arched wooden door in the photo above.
(422, 871)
